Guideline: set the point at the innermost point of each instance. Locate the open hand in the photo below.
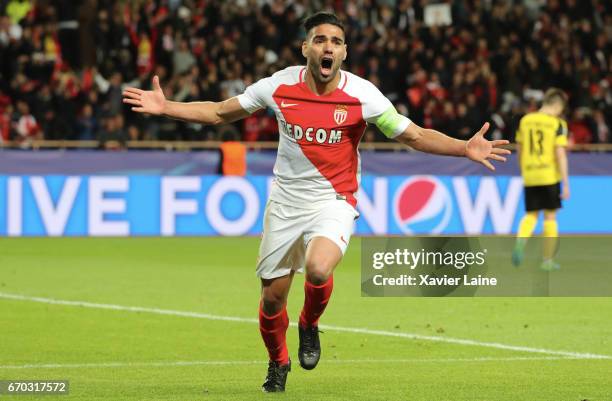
(481, 150)
(150, 102)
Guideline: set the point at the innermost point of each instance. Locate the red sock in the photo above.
(315, 301)
(273, 329)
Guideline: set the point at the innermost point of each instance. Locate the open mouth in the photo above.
(326, 66)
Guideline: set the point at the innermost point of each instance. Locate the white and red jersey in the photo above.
(317, 158)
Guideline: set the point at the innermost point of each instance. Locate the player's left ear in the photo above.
(345, 53)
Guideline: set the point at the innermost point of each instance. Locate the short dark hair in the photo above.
(554, 95)
(321, 18)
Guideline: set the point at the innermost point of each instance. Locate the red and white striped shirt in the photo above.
(317, 158)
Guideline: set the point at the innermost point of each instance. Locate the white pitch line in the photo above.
(356, 330)
(462, 341)
(128, 364)
(262, 362)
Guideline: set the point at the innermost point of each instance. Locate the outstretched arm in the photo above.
(476, 148)
(209, 113)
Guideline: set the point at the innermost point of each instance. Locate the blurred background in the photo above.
(450, 65)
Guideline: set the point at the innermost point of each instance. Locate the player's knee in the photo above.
(550, 214)
(272, 303)
(317, 273)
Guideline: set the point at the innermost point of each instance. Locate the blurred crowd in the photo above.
(64, 62)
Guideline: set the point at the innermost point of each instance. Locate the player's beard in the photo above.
(318, 73)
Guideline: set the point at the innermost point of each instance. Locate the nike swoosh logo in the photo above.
(283, 104)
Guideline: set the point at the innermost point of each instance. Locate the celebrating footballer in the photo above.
(322, 113)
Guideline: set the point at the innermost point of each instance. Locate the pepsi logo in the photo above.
(422, 205)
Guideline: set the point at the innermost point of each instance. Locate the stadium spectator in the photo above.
(86, 123)
(601, 129)
(112, 136)
(134, 133)
(183, 58)
(26, 126)
(5, 123)
(579, 127)
(490, 59)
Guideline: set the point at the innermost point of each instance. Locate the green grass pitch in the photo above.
(117, 354)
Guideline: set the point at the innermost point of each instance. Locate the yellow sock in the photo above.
(528, 223)
(551, 228)
(551, 234)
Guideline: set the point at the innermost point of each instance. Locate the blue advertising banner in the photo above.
(149, 205)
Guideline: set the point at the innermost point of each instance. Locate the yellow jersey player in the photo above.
(541, 145)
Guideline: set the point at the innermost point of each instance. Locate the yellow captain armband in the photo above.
(391, 123)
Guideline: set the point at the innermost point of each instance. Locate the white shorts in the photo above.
(288, 230)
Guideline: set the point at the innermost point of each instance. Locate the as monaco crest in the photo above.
(340, 114)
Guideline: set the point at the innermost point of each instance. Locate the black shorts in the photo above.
(543, 197)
